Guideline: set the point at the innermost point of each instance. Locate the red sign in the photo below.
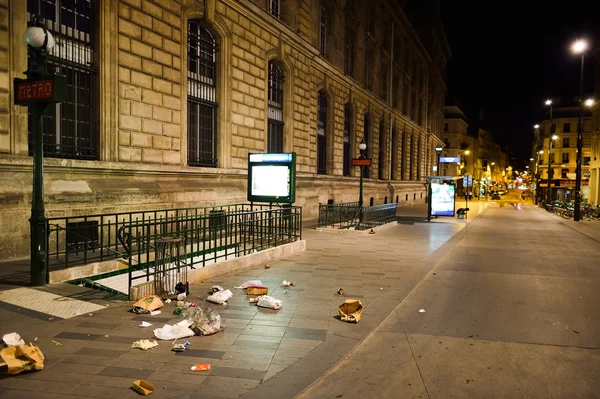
(361, 162)
(34, 90)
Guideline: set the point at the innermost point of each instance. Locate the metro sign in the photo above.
(361, 162)
(45, 90)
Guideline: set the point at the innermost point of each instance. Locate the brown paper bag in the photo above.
(351, 310)
(147, 304)
(22, 358)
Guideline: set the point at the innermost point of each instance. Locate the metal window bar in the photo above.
(322, 133)
(381, 160)
(323, 31)
(202, 97)
(274, 9)
(349, 53)
(275, 126)
(347, 130)
(70, 129)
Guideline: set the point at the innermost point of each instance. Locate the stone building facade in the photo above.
(166, 98)
(594, 191)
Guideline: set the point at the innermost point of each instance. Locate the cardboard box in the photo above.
(142, 387)
(257, 290)
(351, 310)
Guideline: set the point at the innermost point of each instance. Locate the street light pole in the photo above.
(579, 47)
(550, 170)
(438, 151)
(363, 150)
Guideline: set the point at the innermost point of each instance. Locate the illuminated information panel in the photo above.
(272, 177)
(442, 199)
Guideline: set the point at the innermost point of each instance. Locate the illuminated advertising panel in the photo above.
(442, 199)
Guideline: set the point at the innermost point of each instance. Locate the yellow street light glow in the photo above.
(579, 46)
(554, 137)
(467, 152)
(589, 102)
(541, 152)
(531, 159)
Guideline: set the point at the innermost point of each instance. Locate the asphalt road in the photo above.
(511, 311)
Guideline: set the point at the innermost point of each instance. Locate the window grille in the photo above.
(275, 127)
(382, 139)
(70, 129)
(347, 130)
(323, 38)
(202, 97)
(322, 134)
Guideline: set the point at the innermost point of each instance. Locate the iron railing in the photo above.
(80, 240)
(349, 214)
(210, 237)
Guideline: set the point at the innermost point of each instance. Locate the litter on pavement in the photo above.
(421, 310)
(250, 283)
(340, 291)
(181, 296)
(179, 330)
(12, 339)
(267, 266)
(220, 297)
(257, 290)
(181, 347)
(288, 283)
(145, 324)
(205, 320)
(56, 343)
(156, 312)
(217, 288)
(144, 344)
(147, 304)
(142, 387)
(20, 358)
(201, 367)
(266, 301)
(351, 310)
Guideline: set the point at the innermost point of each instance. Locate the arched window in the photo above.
(71, 127)
(347, 134)
(202, 96)
(382, 145)
(322, 133)
(275, 128)
(367, 138)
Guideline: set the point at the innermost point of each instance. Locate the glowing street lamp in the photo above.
(579, 47)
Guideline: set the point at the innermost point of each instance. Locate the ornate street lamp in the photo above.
(438, 151)
(363, 155)
(37, 91)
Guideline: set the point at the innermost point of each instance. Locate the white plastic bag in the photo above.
(266, 301)
(250, 283)
(179, 330)
(220, 297)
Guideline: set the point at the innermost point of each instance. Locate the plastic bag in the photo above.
(266, 301)
(179, 330)
(206, 321)
(250, 283)
(220, 297)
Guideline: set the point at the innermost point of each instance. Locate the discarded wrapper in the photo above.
(257, 290)
(254, 300)
(288, 283)
(13, 339)
(217, 288)
(267, 266)
(351, 310)
(142, 387)
(147, 304)
(179, 330)
(201, 367)
(181, 347)
(145, 324)
(220, 297)
(340, 291)
(269, 302)
(144, 344)
(155, 313)
(20, 358)
(250, 283)
(421, 310)
(181, 296)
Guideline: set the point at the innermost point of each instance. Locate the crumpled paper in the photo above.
(351, 310)
(179, 330)
(144, 344)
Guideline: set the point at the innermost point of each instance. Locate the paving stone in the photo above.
(83, 360)
(220, 392)
(64, 367)
(202, 353)
(233, 372)
(124, 372)
(79, 336)
(249, 363)
(190, 377)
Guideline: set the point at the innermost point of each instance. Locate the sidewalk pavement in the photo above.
(510, 312)
(261, 353)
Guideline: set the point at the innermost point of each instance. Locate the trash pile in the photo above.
(255, 287)
(19, 357)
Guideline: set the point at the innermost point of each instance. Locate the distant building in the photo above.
(480, 155)
(564, 153)
(594, 190)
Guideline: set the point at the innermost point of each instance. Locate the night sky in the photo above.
(507, 60)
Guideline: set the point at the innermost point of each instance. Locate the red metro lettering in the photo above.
(39, 90)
